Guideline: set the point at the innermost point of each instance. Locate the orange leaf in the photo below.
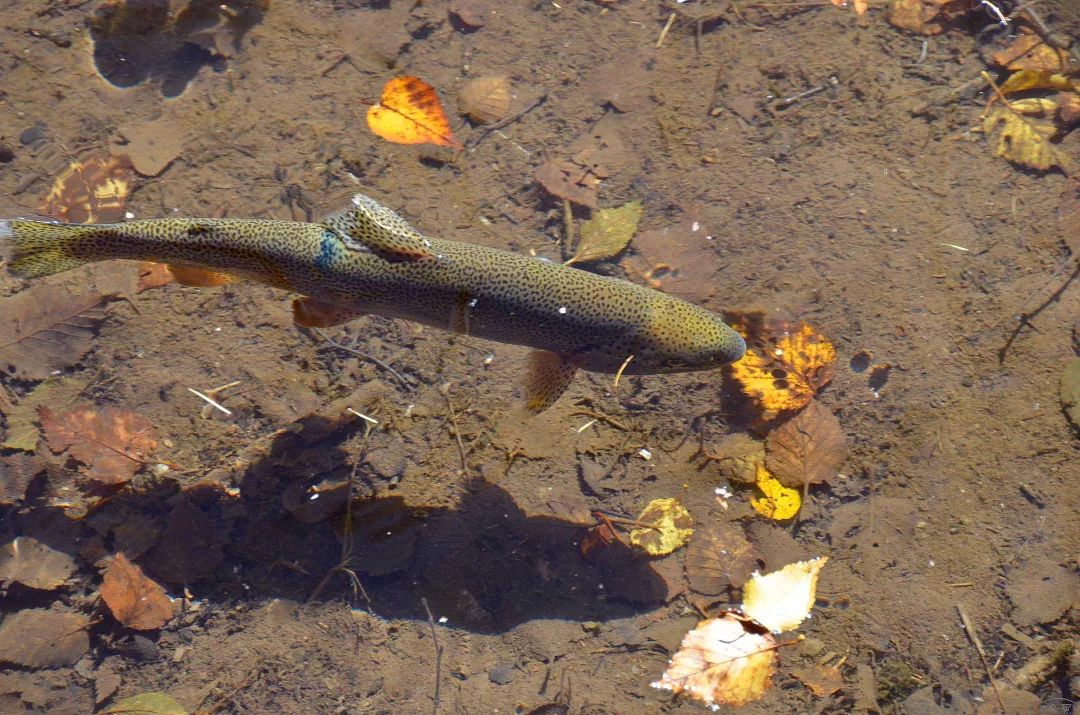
(112, 442)
(135, 600)
(784, 366)
(409, 112)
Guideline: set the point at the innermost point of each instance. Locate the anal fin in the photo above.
(200, 277)
(313, 313)
(546, 379)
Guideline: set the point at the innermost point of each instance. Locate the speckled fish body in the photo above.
(367, 259)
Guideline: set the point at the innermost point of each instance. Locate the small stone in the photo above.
(502, 674)
(591, 627)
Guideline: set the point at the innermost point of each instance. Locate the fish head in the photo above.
(680, 337)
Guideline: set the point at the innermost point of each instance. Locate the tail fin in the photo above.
(40, 248)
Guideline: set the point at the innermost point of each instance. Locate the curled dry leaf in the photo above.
(607, 234)
(29, 562)
(669, 527)
(723, 661)
(135, 600)
(409, 112)
(785, 363)
(807, 449)
(39, 638)
(49, 329)
(719, 557)
(781, 600)
(778, 502)
(112, 443)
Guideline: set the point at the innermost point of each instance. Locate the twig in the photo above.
(615, 383)
(457, 434)
(603, 418)
(505, 122)
(982, 653)
(667, 27)
(1027, 316)
(438, 656)
(210, 400)
(407, 381)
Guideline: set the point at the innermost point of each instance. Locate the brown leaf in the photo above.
(1029, 51)
(807, 449)
(719, 557)
(823, 680)
(51, 329)
(32, 563)
(188, 548)
(567, 180)
(16, 473)
(601, 150)
(134, 599)
(927, 17)
(22, 427)
(39, 638)
(112, 442)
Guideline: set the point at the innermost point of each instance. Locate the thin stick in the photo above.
(457, 435)
(618, 374)
(408, 382)
(568, 220)
(664, 32)
(438, 655)
(982, 653)
(210, 400)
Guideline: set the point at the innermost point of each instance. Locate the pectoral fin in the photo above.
(200, 277)
(312, 313)
(366, 225)
(546, 379)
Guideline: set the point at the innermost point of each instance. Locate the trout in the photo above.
(365, 258)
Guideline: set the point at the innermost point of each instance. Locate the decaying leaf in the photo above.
(784, 366)
(927, 17)
(29, 562)
(17, 471)
(23, 432)
(40, 638)
(135, 600)
(601, 149)
(778, 502)
(50, 329)
(152, 146)
(737, 457)
(723, 661)
(823, 680)
(607, 234)
(807, 449)
(112, 443)
(1029, 51)
(1022, 140)
(567, 180)
(671, 527)
(781, 600)
(719, 557)
(146, 704)
(1025, 80)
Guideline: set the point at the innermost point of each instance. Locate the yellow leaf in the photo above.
(781, 600)
(779, 502)
(1022, 140)
(1036, 79)
(607, 233)
(669, 527)
(409, 112)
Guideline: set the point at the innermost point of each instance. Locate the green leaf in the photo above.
(607, 233)
(146, 704)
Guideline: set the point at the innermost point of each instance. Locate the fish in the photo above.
(365, 258)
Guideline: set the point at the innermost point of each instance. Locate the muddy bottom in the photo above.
(364, 526)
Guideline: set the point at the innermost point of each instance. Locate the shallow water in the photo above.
(869, 209)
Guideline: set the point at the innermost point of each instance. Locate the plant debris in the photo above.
(822, 680)
(112, 443)
(719, 558)
(28, 561)
(135, 600)
(409, 112)
(781, 600)
(23, 431)
(566, 180)
(778, 502)
(927, 17)
(607, 234)
(146, 704)
(807, 449)
(1022, 139)
(40, 638)
(669, 527)
(52, 329)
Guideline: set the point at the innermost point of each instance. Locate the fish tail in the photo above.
(41, 248)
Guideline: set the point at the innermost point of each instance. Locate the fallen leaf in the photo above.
(146, 704)
(91, 190)
(1025, 80)
(17, 471)
(1023, 140)
(601, 150)
(670, 527)
(112, 443)
(860, 6)
(723, 661)
(737, 457)
(50, 329)
(39, 638)
(29, 562)
(409, 112)
(607, 234)
(807, 449)
(1029, 51)
(781, 600)
(23, 430)
(779, 502)
(927, 17)
(188, 549)
(719, 557)
(135, 600)
(152, 146)
(823, 680)
(567, 180)
(784, 366)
